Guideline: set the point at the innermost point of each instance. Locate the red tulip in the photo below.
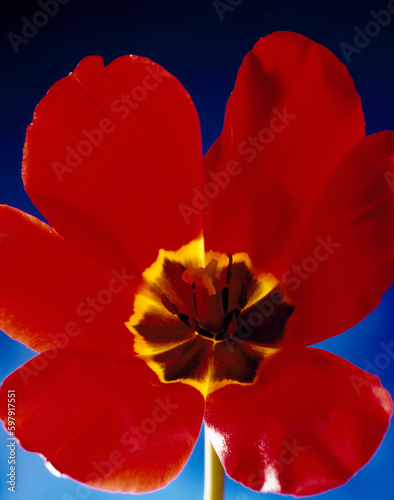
(171, 288)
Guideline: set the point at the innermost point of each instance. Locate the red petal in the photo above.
(109, 176)
(46, 286)
(348, 248)
(302, 101)
(107, 422)
(307, 425)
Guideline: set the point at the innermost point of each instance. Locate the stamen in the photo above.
(233, 326)
(181, 267)
(225, 294)
(225, 290)
(168, 304)
(194, 297)
(229, 316)
(184, 318)
(193, 322)
(229, 269)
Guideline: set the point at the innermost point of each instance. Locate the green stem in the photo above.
(213, 471)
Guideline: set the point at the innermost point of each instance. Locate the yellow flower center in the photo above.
(207, 319)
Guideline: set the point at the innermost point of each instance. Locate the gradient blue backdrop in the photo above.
(204, 53)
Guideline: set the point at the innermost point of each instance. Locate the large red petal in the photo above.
(347, 255)
(52, 296)
(300, 100)
(105, 421)
(307, 425)
(109, 156)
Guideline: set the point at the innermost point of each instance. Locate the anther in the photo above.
(225, 291)
(225, 294)
(229, 269)
(233, 326)
(168, 304)
(193, 322)
(194, 297)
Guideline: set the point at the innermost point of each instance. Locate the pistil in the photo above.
(208, 299)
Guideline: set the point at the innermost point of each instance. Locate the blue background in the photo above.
(203, 52)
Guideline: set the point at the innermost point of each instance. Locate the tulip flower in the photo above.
(167, 289)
